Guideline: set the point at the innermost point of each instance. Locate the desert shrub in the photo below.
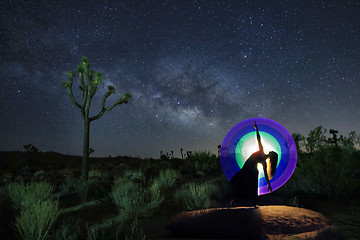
(134, 175)
(134, 199)
(6, 178)
(66, 232)
(167, 178)
(39, 175)
(92, 232)
(34, 222)
(30, 194)
(94, 174)
(67, 186)
(82, 188)
(325, 173)
(204, 161)
(196, 195)
(136, 232)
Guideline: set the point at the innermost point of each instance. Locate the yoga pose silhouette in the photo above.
(244, 184)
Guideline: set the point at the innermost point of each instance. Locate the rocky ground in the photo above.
(265, 222)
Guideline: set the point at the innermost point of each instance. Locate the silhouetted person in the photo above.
(244, 184)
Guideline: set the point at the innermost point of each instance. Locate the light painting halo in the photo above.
(274, 137)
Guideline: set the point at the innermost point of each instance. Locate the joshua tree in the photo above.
(335, 139)
(30, 148)
(89, 81)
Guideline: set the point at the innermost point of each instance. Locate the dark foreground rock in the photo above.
(265, 222)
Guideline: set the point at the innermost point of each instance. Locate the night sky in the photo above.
(194, 69)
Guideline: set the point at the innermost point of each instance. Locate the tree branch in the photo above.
(123, 99)
(73, 98)
(82, 84)
(68, 86)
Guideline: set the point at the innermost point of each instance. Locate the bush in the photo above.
(28, 195)
(133, 199)
(134, 175)
(68, 230)
(82, 188)
(196, 195)
(92, 232)
(325, 173)
(95, 174)
(204, 161)
(34, 222)
(167, 178)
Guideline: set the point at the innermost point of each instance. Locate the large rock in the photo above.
(265, 222)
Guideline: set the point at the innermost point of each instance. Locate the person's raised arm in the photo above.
(261, 148)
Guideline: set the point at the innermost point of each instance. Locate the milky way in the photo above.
(194, 69)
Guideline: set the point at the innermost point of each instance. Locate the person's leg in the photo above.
(230, 203)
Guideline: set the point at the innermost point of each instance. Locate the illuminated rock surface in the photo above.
(265, 222)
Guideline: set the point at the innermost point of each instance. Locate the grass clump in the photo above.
(134, 175)
(38, 209)
(30, 194)
(167, 178)
(134, 199)
(196, 195)
(34, 222)
(95, 174)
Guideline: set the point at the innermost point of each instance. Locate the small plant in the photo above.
(134, 199)
(67, 186)
(82, 188)
(92, 232)
(196, 195)
(167, 178)
(134, 175)
(34, 222)
(136, 232)
(67, 231)
(30, 194)
(93, 174)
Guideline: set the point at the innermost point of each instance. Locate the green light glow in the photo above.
(248, 145)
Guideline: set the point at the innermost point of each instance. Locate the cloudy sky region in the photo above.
(194, 69)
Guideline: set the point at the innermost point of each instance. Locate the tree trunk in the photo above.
(85, 160)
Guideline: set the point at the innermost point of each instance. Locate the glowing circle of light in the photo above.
(240, 142)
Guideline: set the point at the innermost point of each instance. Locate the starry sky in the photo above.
(194, 68)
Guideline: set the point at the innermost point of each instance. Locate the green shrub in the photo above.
(92, 232)
(204, 161)
(196, 195)
(34, 222)
(136, 232)
(69, 230)
(67, 186)
(134, 199)
(82, 188)
(167, 178)
(30, 194)
(134, 175)
(94, 174)
(325, 173)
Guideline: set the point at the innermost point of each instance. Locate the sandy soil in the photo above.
(265, 222)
